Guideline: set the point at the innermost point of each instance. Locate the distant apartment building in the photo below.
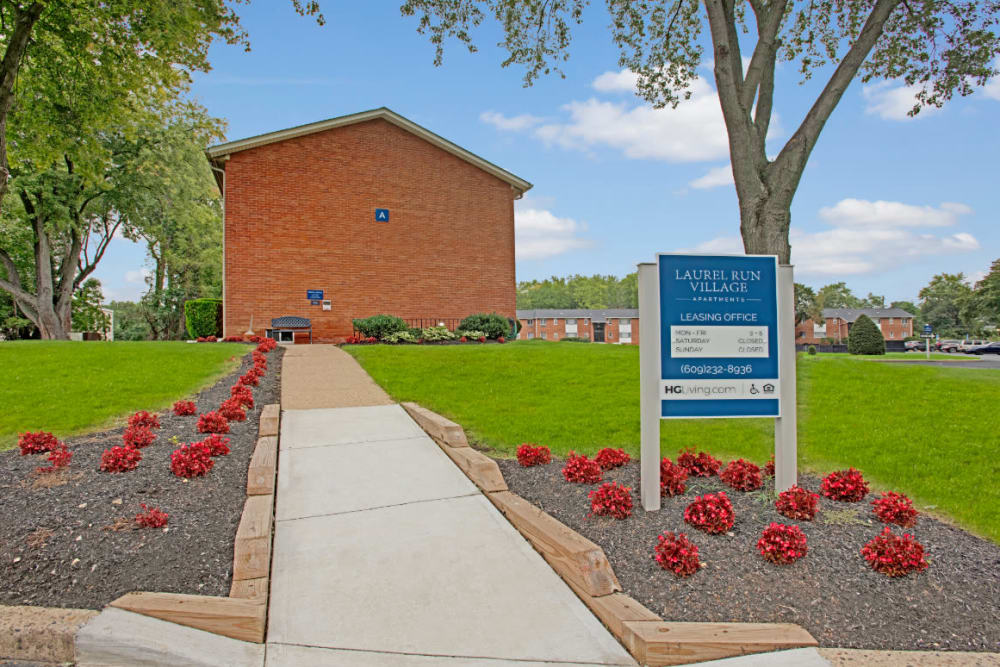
(610, 325)
(894, 323)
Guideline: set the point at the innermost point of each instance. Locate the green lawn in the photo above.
(927, 431)
(72, 387)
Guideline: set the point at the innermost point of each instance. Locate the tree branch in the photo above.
(13, 282)
(795, 153)
(763, 59)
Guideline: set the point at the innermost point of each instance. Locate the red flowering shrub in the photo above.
(257, 355)
(143, 418)
(712, 513)
(797, 503)
(191, 460)
(184, 408)
(267, 344)
(138, 436)
(232, 410)
(532, 455)
(233, 339)
(243, 394)
(701, 464)
(352, 340)
(781, 544)
(37, 443)
(895, 508)
(845, 485)
(212, 422)
(611, 499)
(371, 340)
(609, 458)
(120, 459)
(482, 339)
(673, 478)
(769, 467)
(207, 339)
(581, 470)
(894, 556)
(501, 339)
(151, 518)
(256, 339)
(248, 379)
(742, 475)
(260, 364)
(217, 445)
(58, 458)
(463, 339)
(677, 554)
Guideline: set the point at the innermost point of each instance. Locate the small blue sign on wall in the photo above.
(381, 215)
(718, 336)
(314, 294)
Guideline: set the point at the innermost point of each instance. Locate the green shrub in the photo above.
(379, 326)
(471, 334)
(575, 339)
(812, 349)
(399, 337)
(203, 317)
(435, 334)
(865, 338)
(492, 325)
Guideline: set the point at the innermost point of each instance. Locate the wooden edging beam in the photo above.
(231, 617)
(586, 570)
(263, 467)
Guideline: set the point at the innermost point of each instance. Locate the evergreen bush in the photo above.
(492, 325)
(379, 326)
(812, 349)
(865, 338)
(203, 317)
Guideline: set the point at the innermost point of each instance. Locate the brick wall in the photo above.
(300, 214)
(555, 329)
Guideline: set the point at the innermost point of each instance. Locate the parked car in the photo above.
(915, 345)
(948, 345)
(988, 348)
(969, 345)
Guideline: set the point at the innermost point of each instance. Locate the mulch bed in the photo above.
(76, 544)
(952, 605)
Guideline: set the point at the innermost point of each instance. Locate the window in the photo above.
(555, 336)
(543, 335)
(541, 320)
(530, 336)
(570, 322)
(555, 320)
(529, 322)
(892, 334)
(626, 335)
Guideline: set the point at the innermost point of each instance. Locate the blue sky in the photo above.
(885, 203)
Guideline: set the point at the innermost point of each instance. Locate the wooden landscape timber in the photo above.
(584, 567)
(270, 416)
(263, 467)
(231, 617)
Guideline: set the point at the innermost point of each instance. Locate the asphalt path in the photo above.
(974, 361)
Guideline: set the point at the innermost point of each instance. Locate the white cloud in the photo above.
(893, 101)
(867, 237)
(713, 178)
(539, 234)
(510, 123)
(137, 277)
(692, 132)
(858, 212)
(992, 86)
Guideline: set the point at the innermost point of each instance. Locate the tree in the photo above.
(944, 46)
(87, 313)
(836, 295)
(984, 304)
(942, 302)
(129, 321)
(805, 304)
(865, 337)
(74, 73)
(593, 292)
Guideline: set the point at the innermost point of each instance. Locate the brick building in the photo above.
(894, 323)
(610, 325)
(376, 212)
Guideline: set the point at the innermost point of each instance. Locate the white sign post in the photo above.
(716, 340)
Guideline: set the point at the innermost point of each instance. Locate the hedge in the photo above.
(379, 326)
(493, 325)
(203, 317)
(865, 338)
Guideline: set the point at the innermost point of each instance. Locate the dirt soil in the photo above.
(954, 605)
(69, 539)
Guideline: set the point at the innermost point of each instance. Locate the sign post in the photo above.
(927, 336)
(710, 328)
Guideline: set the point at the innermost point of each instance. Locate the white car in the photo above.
(968, 345)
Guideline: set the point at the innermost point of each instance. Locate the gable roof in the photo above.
(851, 314)
(221, 151)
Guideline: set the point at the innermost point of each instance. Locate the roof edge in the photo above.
(221, 150)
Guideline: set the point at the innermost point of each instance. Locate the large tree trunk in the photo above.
(764, 224)
(24, 21)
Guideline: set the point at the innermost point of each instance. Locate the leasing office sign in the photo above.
(718, 338)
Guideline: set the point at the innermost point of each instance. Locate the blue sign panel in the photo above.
(927, 329)
(314, 294)
(381, 215)
(718, 336)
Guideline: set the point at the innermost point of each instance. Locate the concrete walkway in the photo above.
(385, 553)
